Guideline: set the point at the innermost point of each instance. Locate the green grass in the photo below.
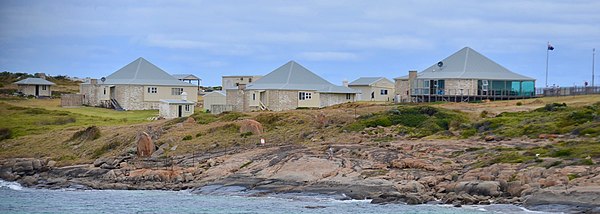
(23, 121)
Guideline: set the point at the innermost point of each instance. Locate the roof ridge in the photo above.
(466, 60)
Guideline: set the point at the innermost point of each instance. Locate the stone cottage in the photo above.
(465, 75)
(373, 89)
(288, 87)
(35, 86)
(140, 85)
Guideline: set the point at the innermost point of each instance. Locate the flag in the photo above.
(550, 47)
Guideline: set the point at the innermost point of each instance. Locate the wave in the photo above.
(10, 185)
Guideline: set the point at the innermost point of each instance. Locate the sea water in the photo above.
(17, 199)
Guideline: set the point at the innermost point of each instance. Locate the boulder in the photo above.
(411, 186)
(145, 147)
(483, 188)
(190, 120)
(252, 126)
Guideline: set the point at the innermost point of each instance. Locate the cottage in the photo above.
(373, 89)
(35, 86)
(463, 76)
(139, 85)
(214, 98)
(288, 87)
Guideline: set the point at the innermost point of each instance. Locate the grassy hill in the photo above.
(63, 83)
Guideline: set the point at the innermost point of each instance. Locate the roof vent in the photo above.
(440, 64)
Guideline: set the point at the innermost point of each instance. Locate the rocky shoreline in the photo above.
(393, 173)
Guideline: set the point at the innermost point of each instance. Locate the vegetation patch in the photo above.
(245, 164)
(412, 121)
(231, 116)
(187, 137)
(90, 133)
(5, 133)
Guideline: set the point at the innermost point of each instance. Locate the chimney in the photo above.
(94, 81)
(412, 75)
(241, 86)
(184, 96)
(345, 83)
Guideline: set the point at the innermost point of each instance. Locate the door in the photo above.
(37, 90)
(112, 92)
(180, 111)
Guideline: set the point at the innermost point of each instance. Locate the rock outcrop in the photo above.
(145, 147)
(251, 126)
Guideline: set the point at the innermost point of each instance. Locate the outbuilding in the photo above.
(373, 89)
(173, 108)
(35, 86)
(214, 98)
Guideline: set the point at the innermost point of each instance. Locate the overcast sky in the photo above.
(335, 39)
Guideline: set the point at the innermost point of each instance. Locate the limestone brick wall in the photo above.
(402, 89)
(282, 100)
(334, 99)
(236, 98)
(131, 97)
(454, 86)
(90, 94)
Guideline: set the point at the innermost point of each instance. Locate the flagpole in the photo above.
(547, 53)
(593, 59)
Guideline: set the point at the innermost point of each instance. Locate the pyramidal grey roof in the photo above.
(34, 81)
(142, 72)
(468, 64)
(367, 81)
(293, 76)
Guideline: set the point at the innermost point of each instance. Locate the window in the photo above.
(104, 90)
(187, 107)
(253, 96)
(249, 79)
(176, 91)
(384, 92)
(241, 78)
(152, 90)
(304, 95)
(43, 87)
(348, 96)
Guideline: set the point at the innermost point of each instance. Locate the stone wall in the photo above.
(460, 87)
(90, 94)
(236, 98)
(402, 88)
(282, 100)
(334, 99)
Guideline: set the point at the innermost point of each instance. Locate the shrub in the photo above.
(231, 116)
(5, 133)
(246, 134)
(90, 133)
(187, 137)
(519, 103)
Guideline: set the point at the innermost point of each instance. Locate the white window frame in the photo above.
(152, 90)
(302, 95)
(44, 87)
(348, 96)
(383, 92)
(187, 108)
(174, 91)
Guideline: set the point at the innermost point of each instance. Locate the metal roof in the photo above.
(293, 76)
(367, 81)
(185, 77)
(142, 72)
(216, 92)
(468, 64)
(34, 81)
(171, 101)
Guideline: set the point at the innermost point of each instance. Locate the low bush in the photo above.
(5, 133)
(187, 137)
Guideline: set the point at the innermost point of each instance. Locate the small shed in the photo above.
(35, 86)
(175, 108)
(214, 98)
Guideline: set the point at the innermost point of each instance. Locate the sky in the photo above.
(336, 39)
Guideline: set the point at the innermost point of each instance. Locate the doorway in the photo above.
(37, 90)
(180, 111)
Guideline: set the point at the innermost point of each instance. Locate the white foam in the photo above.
(10, 185)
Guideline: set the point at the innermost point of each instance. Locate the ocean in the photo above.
(17, 199)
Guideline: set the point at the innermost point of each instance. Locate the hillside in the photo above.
(392, 153)
(63, 83)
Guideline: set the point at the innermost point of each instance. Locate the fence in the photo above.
(217, 109)
(567, 91)
(71, 100)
